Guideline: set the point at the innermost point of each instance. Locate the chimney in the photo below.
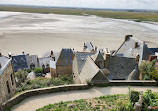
(23, 52)
(128, 36)
(107, 61)
(9, 54)
(52, 53)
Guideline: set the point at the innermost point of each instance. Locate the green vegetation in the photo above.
(148, 70)
(20, 76)
(38, 70)
(41, 82)
(137, 16)
(106, 103)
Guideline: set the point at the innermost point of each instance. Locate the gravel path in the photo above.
(35, 102)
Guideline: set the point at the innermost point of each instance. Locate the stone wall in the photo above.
(63, 70)
(7, 84)
(132, 83)
(53, 72)
(18, 98)
(76, 78)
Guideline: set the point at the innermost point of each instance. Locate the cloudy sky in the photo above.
(116, 4)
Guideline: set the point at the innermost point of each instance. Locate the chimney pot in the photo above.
(128, 36)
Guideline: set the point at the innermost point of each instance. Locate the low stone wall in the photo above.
(132, 83)
(18, 98)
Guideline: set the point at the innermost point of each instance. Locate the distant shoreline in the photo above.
(132, 14)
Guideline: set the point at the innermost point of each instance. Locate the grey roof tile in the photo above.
(4, 61)
(65, 57)
(81, 59)
(19, 62)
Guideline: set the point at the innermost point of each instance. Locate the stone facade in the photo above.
(75, 71)
(64, 70)
(64, 62)
(78, 63)
(7, 83)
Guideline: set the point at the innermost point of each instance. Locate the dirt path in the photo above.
(35, 102)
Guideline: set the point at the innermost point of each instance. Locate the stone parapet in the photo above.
(18, 98)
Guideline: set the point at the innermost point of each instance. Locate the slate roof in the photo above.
(44, 61)
(91, 73)
(88, 47)
(97, 57)
(32, 59)
(65, 57)
(4, 61)
(81, 59)
(128, 49)
(154, 50)
(19, 62)
(120, 67)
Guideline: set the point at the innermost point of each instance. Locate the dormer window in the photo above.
(136, 45)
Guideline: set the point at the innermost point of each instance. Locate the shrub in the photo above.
(29, 70)
(20, 76)
(42, 82)
(124, 106)
(133, 96)
(148, 95)
(148, 71)
(38, 70)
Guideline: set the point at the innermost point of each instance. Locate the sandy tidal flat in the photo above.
(37, 33)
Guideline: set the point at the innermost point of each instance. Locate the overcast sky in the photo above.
(116, 4)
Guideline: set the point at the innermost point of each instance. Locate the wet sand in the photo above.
(36, 33)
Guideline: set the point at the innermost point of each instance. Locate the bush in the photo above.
(29, 70)
(148, 95)
(133, 96)
(20, 76)
(38, 70)
(148, 70)
(42, 82)
(124, 106)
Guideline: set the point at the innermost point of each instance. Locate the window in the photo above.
(11, 76)
(8, 87)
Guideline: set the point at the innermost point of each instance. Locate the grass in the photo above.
(121, 102)
(103, 103)
(136, 16)
(41, 82)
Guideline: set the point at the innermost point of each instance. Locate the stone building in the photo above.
(52, 68)
(88, 47)
(99, 60)
(132, 47)
(19, 62)
(78, 63)
(64, 62)
(92, 74)
(32, 61)
(120, 67)
(7, 81)
(44, 63)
